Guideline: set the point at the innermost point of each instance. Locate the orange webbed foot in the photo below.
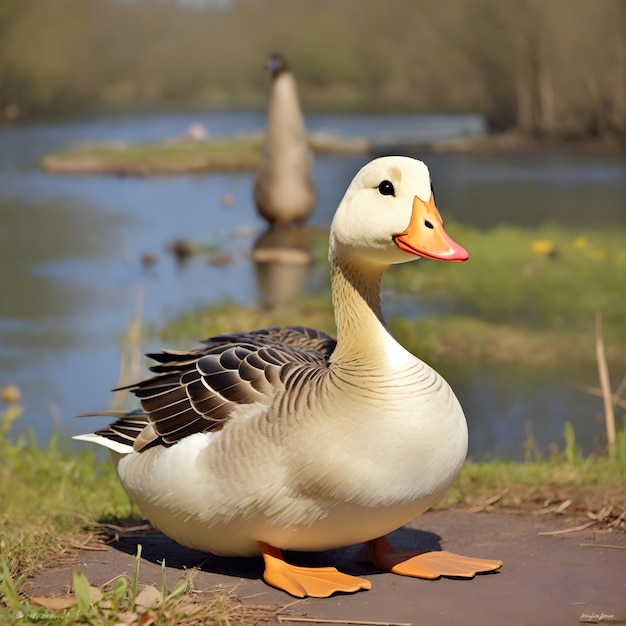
(316, 582)
(429, 565)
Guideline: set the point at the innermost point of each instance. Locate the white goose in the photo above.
(285, 439)
(283, 190)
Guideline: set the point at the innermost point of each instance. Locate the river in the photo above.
(70, 250)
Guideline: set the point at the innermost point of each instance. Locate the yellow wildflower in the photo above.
(597, 254)
(542, 246)
(581, 242)
(10, 394)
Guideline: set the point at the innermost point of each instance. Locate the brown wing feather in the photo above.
(197, 391)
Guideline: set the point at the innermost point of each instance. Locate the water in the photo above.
(70, 251)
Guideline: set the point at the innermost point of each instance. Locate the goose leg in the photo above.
(317, 582)
(428, 565)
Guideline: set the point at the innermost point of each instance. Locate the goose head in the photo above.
(276, 64)
(388, 216)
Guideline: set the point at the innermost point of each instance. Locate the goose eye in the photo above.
(386, 188)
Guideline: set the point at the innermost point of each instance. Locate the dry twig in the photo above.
(569, 530)
(487, 505)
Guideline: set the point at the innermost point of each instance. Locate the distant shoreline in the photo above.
(515, 142)
(242, 153)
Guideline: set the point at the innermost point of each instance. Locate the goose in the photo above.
(287, 439)
(283, 190)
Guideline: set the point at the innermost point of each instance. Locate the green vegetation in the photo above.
(590, 484)
(544, 69)
(123, 601)
(50, 495)
(172, 157)
(527, 295)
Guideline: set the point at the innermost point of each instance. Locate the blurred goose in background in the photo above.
(284, 192)
(285, 438)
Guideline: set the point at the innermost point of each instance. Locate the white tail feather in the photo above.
(116, 446)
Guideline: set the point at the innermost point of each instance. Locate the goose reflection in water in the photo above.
(282, 260)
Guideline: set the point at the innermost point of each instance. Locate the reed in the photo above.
(605, 385)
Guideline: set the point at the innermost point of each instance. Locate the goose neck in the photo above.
(361, 329)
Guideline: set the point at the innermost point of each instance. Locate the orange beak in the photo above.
(426, 236)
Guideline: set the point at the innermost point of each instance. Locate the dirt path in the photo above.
(551, 580)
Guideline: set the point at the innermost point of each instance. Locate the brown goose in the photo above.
(287, 439)
(283, 191)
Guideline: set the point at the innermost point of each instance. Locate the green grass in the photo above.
(123, 601)
(172, 157)
(50, 494)
(549, 278)
(591, 483)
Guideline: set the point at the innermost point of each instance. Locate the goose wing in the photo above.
(199, 390)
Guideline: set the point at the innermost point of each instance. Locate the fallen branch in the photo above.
(84, 546)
